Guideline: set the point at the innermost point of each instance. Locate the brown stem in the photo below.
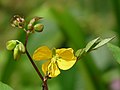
(35, 67)
(26, 39)
(45, 86)
(44, 79)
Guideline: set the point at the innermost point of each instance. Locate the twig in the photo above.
(45, 86)
(44, 79)
(35, 67)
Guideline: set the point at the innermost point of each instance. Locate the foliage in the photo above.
(67, 24)
(115, 51)
(4, 87)
(63, 58)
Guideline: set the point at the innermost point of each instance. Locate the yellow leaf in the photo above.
(42, 53)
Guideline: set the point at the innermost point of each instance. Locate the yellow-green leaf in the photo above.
(4, 86)
(79, 53)
(115, 51)
(103, 42)
(91, 44)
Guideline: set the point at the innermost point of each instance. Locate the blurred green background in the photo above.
(68, 23)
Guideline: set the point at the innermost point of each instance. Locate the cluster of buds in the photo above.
(18, 21)
(32, 26)
(17, 47)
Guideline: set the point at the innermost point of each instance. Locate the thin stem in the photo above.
(45, 86)
(26, 39)
(35, 67)
(44, 79)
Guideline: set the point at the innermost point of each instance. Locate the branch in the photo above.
(35, 67)
(44, 79)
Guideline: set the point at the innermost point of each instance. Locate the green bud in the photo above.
(39, 27)
(18, 21)
(21, 47)
(54, 51)
(10, 45)
(16, 52)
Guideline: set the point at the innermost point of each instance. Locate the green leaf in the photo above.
(115, 51)
(79, 53)
(103, 42)
(4, 86)
(91, 44)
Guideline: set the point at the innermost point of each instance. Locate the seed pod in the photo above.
(38, 27)
(16, 52)
(32, 22)
(21, 47)
(15, 23)
(10, 45)
(18, 21)
(35, 19)
(30, 26)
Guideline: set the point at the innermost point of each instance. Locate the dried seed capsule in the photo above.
(35, 19)
(32, 22)
(38, 27)
(18, 21)
(16, 52)
(10, 45)
(30, 26)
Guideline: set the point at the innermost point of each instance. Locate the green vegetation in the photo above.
(67, 24)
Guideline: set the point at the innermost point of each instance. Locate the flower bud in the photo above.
(16, 52)
(21, 47)
(10, 45)
(30, 26)
(32, 22)
(35, 19)
(18, 21)
(38, 27)
(54, 51)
